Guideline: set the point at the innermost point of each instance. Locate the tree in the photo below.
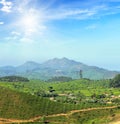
(115, 82)
(14, 79)
(51, 90)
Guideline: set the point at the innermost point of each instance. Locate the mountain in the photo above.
(28, 67)
(63, 63)
(57, 67)
(71, 68)
(7, 70)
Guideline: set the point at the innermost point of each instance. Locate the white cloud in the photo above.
(6, 6)
(21, 6)
(75, 13)
(93, 26)
(65, 13)
(26, 40)
(15, 33)
(1, 23)
(11, 38)
(81, 13)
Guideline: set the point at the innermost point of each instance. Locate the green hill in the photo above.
(20, 105)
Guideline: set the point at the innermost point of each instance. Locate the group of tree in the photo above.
(115, 82)
(14, 79)
(60, 79)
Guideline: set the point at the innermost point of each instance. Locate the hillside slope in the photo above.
(20, 105)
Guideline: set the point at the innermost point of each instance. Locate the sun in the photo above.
(29, 23)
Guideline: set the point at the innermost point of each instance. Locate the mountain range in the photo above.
(57, 67)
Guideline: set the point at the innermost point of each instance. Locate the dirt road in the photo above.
(5, 120)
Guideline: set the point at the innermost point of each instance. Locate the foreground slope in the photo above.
(101, 115)
(18, 105)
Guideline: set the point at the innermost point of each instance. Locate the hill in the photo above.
(20, 105)
(55, 68)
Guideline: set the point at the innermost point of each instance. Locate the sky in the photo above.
(83, 30)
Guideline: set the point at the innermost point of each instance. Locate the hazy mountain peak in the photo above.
(64, 59)
(61, 63)
(28, 66)
(31, 62)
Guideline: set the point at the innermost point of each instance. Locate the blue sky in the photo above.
(83, 30)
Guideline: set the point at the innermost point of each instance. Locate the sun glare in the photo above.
(30, 23)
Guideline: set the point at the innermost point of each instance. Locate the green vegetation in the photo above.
(92, 117)
(87, 117)
(60, 79)
(18, 105)
(14, 79)
(22, 100)
(115, 82)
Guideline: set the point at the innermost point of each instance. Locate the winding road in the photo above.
(5, 120)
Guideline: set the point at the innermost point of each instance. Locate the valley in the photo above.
(80, 101)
